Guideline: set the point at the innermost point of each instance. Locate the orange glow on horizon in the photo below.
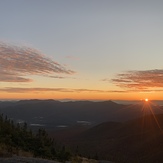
(79, 96)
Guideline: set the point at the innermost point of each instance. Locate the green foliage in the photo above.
(18, 137)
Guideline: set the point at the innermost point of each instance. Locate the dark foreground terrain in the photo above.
(95, 130)
(17, 159)
(136, 141)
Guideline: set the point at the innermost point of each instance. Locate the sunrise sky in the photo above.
(81, 49)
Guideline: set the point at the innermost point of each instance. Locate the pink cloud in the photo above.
(141, 80)
(19, 61)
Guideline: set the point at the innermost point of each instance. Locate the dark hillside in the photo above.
(133, 133)
(139, 140)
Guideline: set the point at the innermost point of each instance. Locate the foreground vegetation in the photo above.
(17, 139)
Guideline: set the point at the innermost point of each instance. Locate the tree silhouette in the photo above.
(18, 137)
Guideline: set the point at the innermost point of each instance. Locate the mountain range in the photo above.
(103, 130)
(53, 114)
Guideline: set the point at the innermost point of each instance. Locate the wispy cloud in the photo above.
(70, 90)
(16, 62)
(105, 80)
(141, 80)
(37, 90)
(72, 57)
(34, 90)
(7, 76)
(60, 77)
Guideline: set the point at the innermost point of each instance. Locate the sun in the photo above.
(146, 100)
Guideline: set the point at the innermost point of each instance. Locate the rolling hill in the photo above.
(139, 140)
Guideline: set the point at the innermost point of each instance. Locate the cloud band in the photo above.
(16, 62)
(140, 80)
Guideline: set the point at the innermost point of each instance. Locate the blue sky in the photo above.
(99, 41)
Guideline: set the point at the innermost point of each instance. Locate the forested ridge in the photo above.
(17, 138)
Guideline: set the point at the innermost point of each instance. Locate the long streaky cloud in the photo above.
(140, 80)
(16, 62)
(69, 90)
(37, 90)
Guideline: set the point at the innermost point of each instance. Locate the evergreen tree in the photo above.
(19, 137)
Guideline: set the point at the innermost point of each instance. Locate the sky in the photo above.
(81, 49)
